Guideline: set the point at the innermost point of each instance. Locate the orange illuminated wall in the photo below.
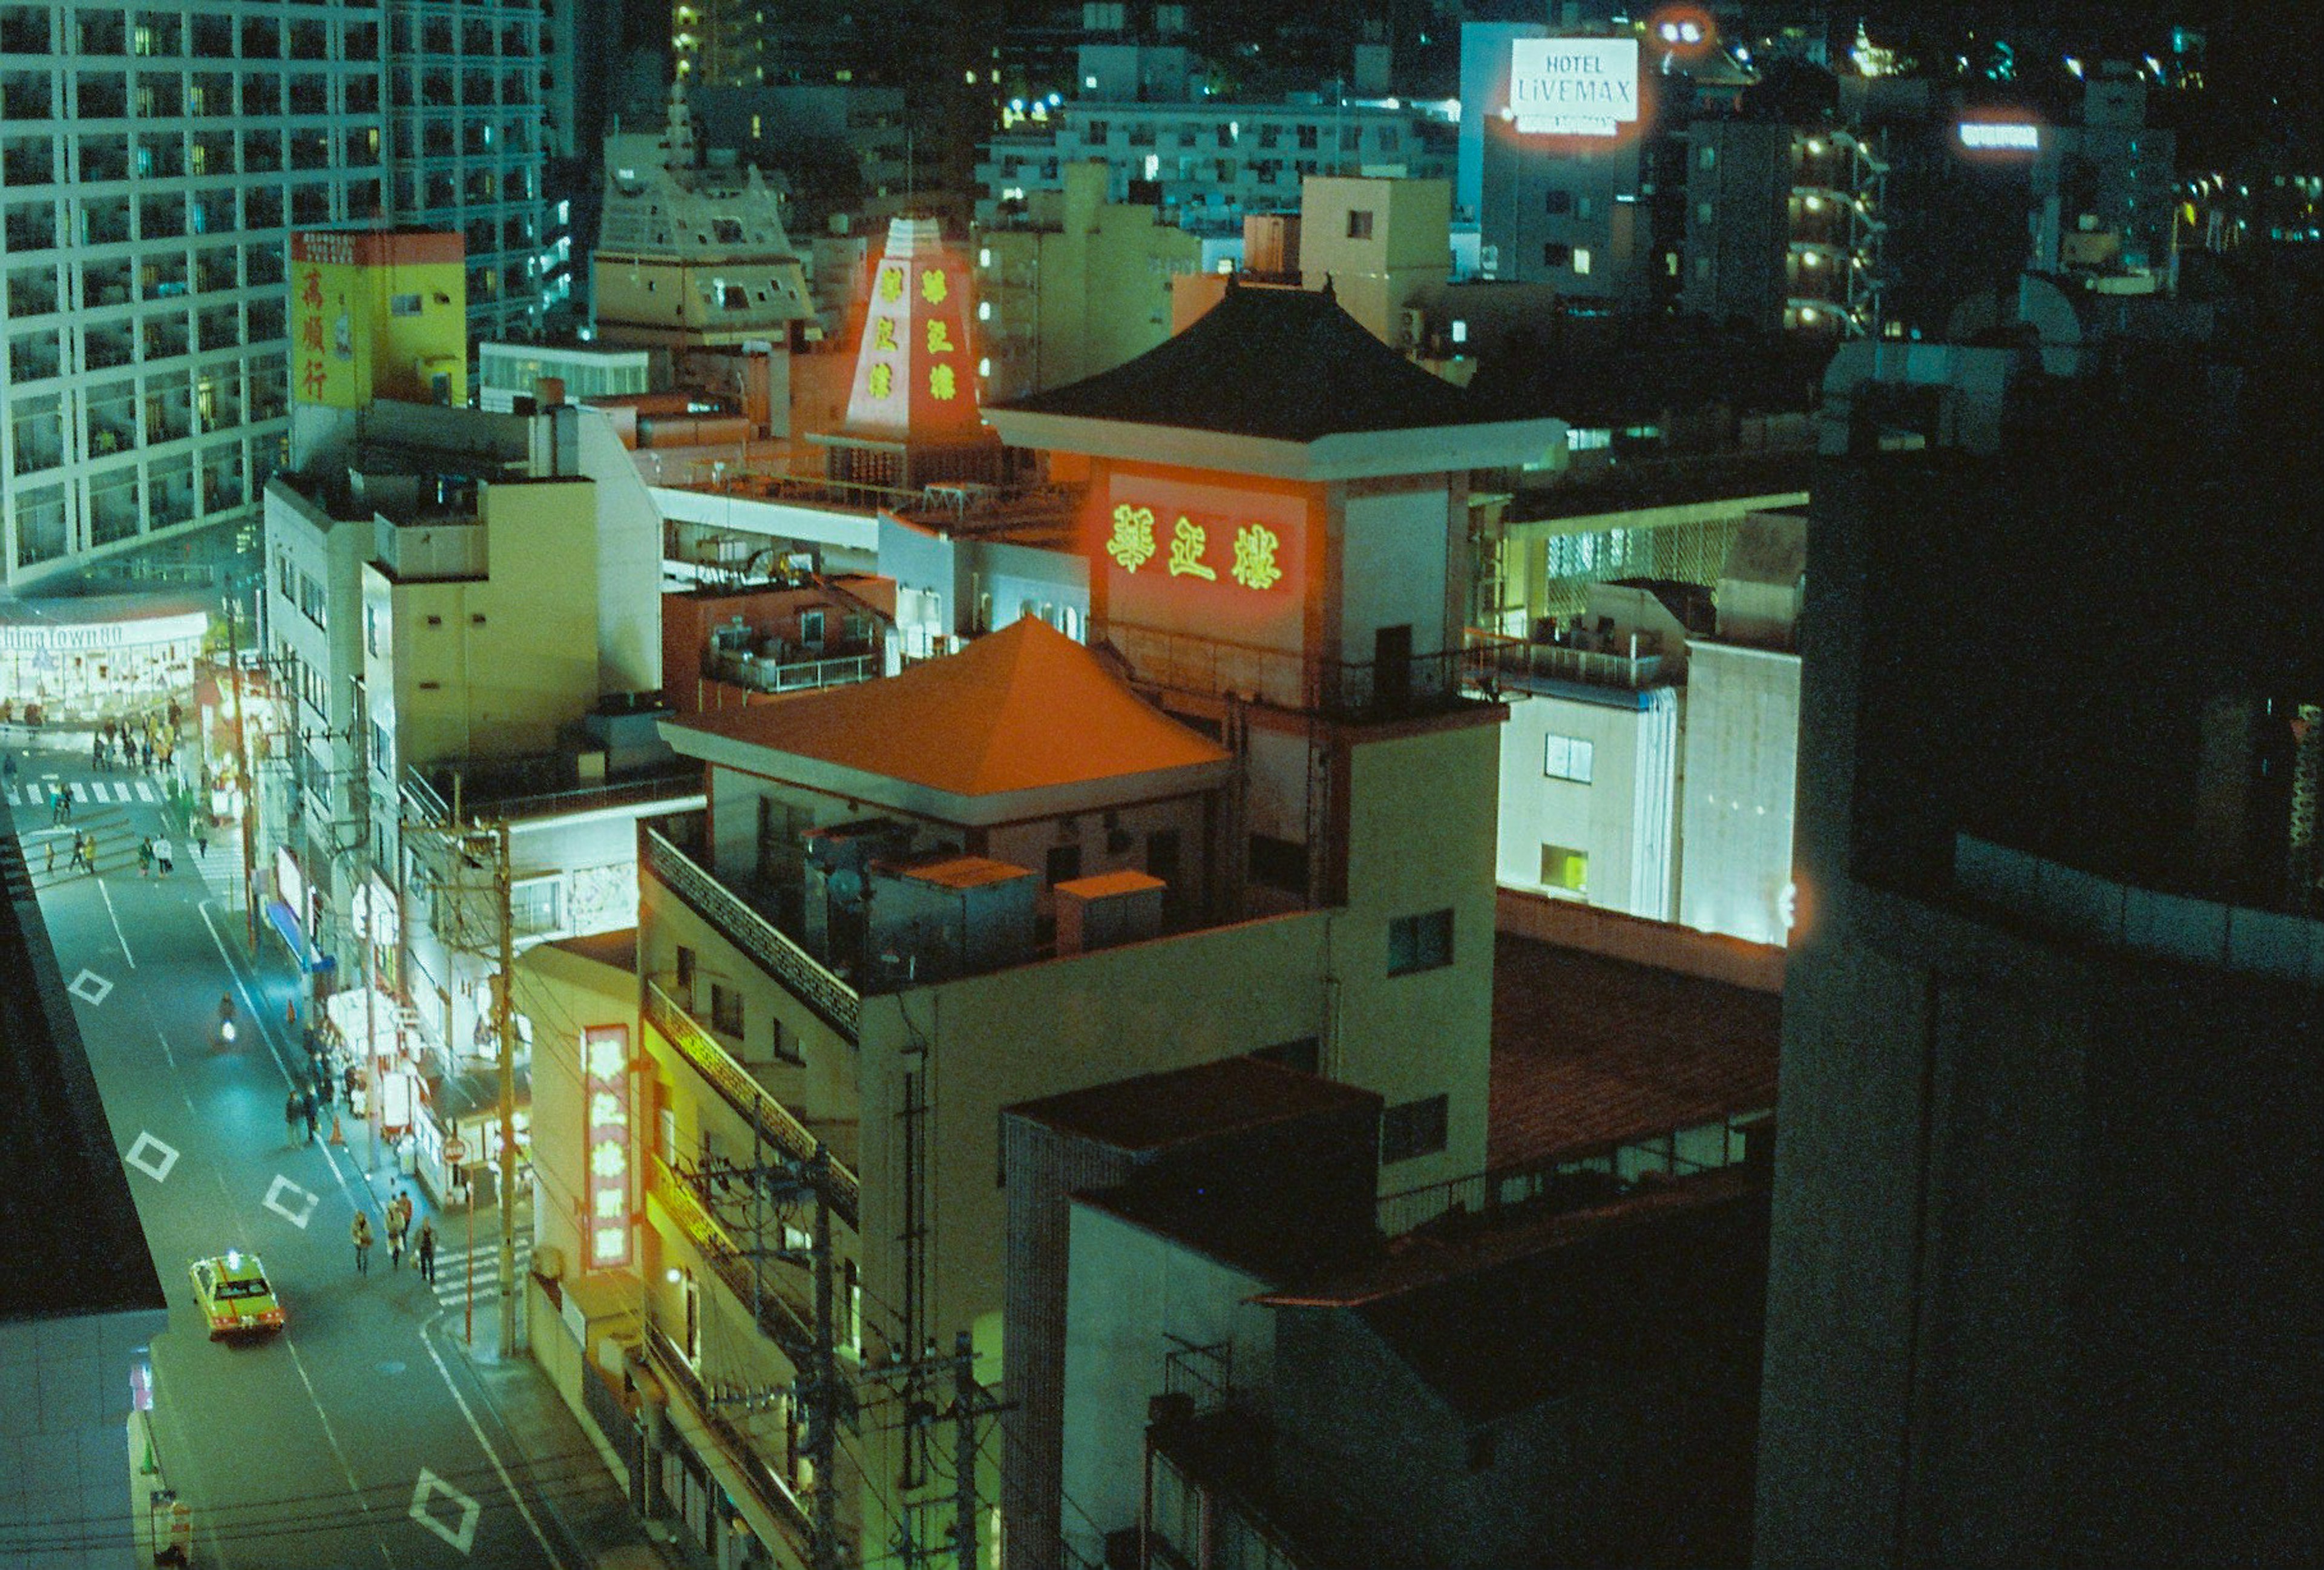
(915, 372)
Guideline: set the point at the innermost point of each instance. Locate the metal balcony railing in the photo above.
(1395, 689)
(839, 1005)
(773, 1494)
(795, 676)
(783, 1322)
(1493, 655)
(746, 1096)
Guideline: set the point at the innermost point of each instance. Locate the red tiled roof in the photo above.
(1019, 709)
(1590, 1052)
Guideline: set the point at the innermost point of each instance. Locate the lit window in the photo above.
(985, 256)
(984, 310)
(1564, 870)
(1581, 258)
(1460, 330)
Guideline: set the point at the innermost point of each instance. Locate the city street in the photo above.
(366, 1432)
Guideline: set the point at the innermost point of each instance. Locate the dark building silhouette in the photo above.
(2045, 1260)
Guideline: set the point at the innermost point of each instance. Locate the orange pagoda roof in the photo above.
(1026, 708)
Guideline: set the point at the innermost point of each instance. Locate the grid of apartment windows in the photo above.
(150, 164)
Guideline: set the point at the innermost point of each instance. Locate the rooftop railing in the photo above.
(838, 1004)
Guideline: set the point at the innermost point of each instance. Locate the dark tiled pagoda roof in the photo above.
(1282, 364)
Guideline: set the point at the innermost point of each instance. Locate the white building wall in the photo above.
(1623, 819)
(1395, 552)
(1133, 1297)
(629, 561)
(1742, 755)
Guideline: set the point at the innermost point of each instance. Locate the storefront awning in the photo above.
(284, 920)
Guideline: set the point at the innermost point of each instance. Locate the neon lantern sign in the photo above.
(605, 1090)
(1134, 545)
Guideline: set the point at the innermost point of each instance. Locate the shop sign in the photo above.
(43, 638)
(605, 1090)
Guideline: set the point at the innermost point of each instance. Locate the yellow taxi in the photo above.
(235, 1296)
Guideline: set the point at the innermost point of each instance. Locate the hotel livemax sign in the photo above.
(1574, 87)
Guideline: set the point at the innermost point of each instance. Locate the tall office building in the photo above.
(152, 166)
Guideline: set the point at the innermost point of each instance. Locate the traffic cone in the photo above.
(337, 1138)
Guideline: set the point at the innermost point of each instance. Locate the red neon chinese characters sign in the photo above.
(605, 1120)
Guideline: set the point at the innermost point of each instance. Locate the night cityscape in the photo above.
(1443, 785)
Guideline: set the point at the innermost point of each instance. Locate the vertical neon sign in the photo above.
(605, 1087)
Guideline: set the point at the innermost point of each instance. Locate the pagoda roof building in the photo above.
(1274, 381)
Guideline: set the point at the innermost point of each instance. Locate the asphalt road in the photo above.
(361, 1434)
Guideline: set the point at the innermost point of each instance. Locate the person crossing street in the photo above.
(293, 1113)
(398, 1222)
(164, 854)
(426, 1249)
(361, 1232)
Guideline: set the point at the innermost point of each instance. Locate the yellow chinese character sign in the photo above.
(883, 333)
(939, 331)
(883, 381)
(1254, 557)
(941, 386)
(1187, 541)
(1132, 544)
(932, 288)
(891, 284)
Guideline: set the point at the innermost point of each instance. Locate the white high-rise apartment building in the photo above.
(477, 104)
(152, 163)
(153, 158)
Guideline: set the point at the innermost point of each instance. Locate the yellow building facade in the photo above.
(378, 313)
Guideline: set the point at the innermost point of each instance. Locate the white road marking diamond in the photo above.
(463, 1539)
(91, 987)
(306, 1210)
(154, 1163)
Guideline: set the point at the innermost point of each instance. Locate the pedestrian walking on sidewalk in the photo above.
(293, 1113)
(145, 857)
(201, 836)
(361, 1232)
(165, 855)
(308, 1110)
(398, 1222)
(427, 1249)
(9, 768)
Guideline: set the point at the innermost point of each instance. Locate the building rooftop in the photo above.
(1589, 1053)
(1656, 1279)
(1278, 364)
(617, 948)
(87, 1255)
(964, 872)
(1021, 709)
(1153, 1111)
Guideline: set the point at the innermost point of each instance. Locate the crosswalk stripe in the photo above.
(145, 792)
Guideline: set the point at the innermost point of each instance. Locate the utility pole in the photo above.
(373, 1083)
(967, 1402)
(242, 764)
(787, 1178)
(504, 1025)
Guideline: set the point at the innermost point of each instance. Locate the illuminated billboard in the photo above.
(2000, 136)
(1574, 87)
